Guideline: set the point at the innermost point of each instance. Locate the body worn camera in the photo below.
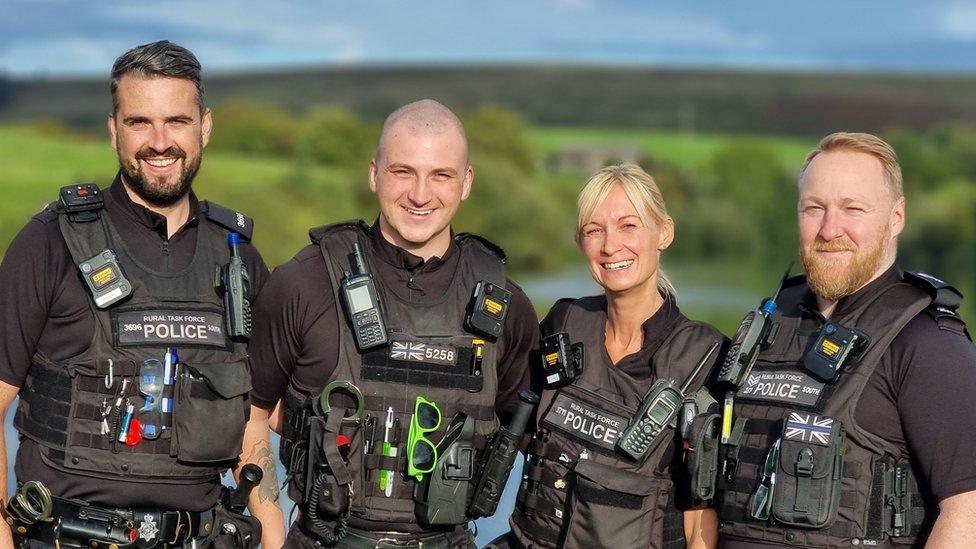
(835, 347)
(235, 284)
(657, 411)
(105, 279)
(488, 308)
(361, 303)
(562, 361)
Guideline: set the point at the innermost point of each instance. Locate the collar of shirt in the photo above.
(656, 331)
(399, 258)
(854, 302)
(143, 215)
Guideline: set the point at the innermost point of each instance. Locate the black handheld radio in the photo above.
(500, 457)
(755, 333)
(657, 411)
(362, 305)
(234, 282)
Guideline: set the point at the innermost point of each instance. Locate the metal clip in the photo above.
(110, 376)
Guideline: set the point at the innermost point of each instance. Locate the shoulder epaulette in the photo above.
(316, 234)
(943, 294)
(81, 202)
(494, 248)
(228, 219)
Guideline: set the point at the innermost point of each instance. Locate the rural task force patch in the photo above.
(584, 421)
(415, 351)
(808, 428)
(169, 327)
(794, 387)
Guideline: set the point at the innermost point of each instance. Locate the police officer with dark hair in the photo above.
(128, 360)
(374, 340)
(853, 426)
(606, 466)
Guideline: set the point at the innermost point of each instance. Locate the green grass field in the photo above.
(284, 203)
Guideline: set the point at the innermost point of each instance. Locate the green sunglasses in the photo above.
(421, 451)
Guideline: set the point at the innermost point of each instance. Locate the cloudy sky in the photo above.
(48, 37)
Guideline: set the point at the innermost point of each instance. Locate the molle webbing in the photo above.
(45, 405)
(414, 326)
(62, 402)
(377, 366)
(864, 511)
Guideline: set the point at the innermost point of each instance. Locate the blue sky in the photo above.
(49, 37)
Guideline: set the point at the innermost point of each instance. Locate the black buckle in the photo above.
(897, 499)
(82, 203)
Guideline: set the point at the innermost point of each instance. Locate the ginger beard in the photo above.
(833, 279)
(159, 191)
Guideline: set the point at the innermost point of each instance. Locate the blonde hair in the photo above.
(643, 193)
(867, 144)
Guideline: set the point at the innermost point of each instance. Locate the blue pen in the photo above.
(126, 419)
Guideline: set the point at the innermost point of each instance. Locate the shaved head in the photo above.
(418, 119)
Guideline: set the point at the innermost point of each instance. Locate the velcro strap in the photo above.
(540, 505)
(424, 378)
(540, 532)
(533, 472)
(610, 498)
(388, 463)
(737, 515)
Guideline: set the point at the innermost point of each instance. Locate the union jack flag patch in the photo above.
(808, 428)
(407, 351)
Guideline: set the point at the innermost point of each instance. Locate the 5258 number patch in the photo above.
(415, 351)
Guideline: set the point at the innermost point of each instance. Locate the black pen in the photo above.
(369, 427)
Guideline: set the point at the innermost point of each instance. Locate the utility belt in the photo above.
(804, 479)
(33, 514)
(362, 539)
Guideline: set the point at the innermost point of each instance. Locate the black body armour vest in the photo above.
(861, 487)
(577, 491)
(429, 354)
(63, 404)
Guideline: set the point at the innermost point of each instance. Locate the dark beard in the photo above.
(156, 193)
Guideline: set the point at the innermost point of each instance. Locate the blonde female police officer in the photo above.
(579, 490)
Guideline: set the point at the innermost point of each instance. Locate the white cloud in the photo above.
(959, 21)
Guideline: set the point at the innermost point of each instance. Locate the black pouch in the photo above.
(210, 411)
(611, 507)
(702, 460)
(806, 493)
(233, 531)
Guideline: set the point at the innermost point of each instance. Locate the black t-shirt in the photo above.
(47, 309)
(296, 330)
(920, 397)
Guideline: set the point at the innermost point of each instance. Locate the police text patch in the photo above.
(792, 387)
(415, 351)
(169, 327)
(584, 421)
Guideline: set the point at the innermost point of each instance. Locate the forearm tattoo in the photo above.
(262, 457)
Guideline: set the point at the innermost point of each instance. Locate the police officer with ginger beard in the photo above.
(850, 428)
